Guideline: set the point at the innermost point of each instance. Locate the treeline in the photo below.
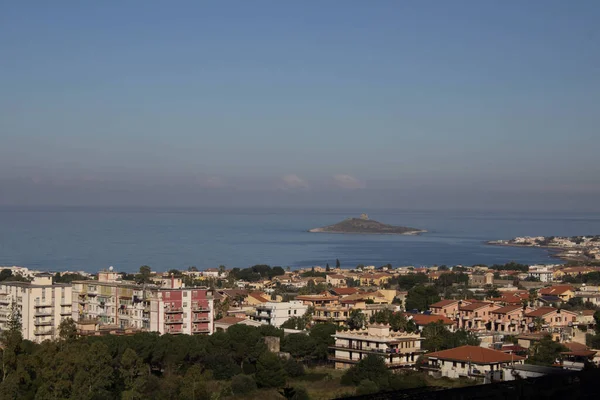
(7, 275)
(152, 366)
(256, 273)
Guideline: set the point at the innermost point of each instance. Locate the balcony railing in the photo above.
(174, 310)
(43, 323)
(40, 332)
(202, 319)
(173, 321)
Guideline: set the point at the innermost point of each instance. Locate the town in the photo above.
(574, 248)
(459, 325)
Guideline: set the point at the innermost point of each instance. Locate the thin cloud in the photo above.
(348, 182)
(292, 181)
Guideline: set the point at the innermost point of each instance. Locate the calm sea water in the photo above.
(93, 238)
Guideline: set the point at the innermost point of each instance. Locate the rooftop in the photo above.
(475, 354)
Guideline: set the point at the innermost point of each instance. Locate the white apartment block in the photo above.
(273, 313)
(42, 305)
(398, 349)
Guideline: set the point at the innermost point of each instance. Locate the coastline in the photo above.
(411, 233)
(554, 251)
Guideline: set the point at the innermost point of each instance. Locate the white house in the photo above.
(276, 314)
(469, 362)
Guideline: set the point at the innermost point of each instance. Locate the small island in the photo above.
(365, 225)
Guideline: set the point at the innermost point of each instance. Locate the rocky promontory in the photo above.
(366, 225)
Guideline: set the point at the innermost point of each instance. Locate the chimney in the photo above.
(172, 281)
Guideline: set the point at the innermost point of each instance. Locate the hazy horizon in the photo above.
(441, 105)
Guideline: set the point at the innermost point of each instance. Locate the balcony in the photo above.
(43, 313)
(200, 309)
(174, 332)
(43, 332)
(43, 323)
(173, 321)
(201, 319)
(43, 304)
(173, 310)
(200, 330)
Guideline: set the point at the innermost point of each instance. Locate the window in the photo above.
(185, 294)
(185, 303)
(462, 364)
(289, 312)
(295, 312)
(454, 363)
(168, 295)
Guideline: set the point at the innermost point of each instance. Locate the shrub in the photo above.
(366, 387)
(293, 368)
(269, 372)
(242, 384)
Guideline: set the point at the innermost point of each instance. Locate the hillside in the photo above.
(366, 225)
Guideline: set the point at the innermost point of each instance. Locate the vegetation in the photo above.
(420, 297)
(437, 338)
(68, 277)
(545, 352)
(256, 273)
(7, 275)
(396, 320)
(511, 266)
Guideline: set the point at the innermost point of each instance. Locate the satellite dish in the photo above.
(110, 268)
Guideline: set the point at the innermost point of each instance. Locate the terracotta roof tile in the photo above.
(474, 306)
(229, 320)
(506, 309)
(556, 290)
(443, 303)
(423, 319)
(475, 354)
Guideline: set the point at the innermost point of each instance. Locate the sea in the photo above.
(93, 238)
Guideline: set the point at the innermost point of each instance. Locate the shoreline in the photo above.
(410, 233)
(554, 251)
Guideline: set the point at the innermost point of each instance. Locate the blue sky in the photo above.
(352, 103)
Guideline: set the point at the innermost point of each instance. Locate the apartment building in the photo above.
(276, 314)
(189, 311)
(508, 319)
(399, 349)
(447, 308)
(110, 301)
(42, 305)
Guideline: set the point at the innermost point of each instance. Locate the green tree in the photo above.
(67, 330)
(371, 367)
(299, 345)
(269, 372)
(242, 385)
(11, 340)
(337, 263)
(420, 297)
(356, 319)
(545, 352)
(327, 268)
(193, 385)
(144, 274)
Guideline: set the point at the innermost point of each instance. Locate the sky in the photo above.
(430, 104)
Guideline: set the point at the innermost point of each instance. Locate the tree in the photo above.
(327, 268)
(437, 337)
(67, 330)
(356, 319)
(193, 268)
(545, 352)
(269, 372)
(337, 263)
(242, 385)
(420, 297)
(11, 340)
(371, 367)
(597, 320)
(144, 274)
(193, 385)
(293, 368)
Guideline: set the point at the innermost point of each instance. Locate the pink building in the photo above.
(447, 308)
(508, 319)
(476, 316)
(188, 311)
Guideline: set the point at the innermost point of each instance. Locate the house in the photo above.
(563, 292)
(573, 271)
(469, 362)
(549, 317)
(224, 323)
(481, 279)
(343, 291)
(255, 298)
(422, 320)
(447, 308)
(507, 319)
(318, 300)
(476, 315)
(577, 356)
(512, 298)
(336, 280)
(374, 279)
(399, 349)
(277, 313)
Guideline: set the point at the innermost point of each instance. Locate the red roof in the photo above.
(540, 312)
(422, 319)
(344, 291)
(259, 297)
(555, 290)
(443, 303)
(474, 306)
(475, 354)
(506, 309)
